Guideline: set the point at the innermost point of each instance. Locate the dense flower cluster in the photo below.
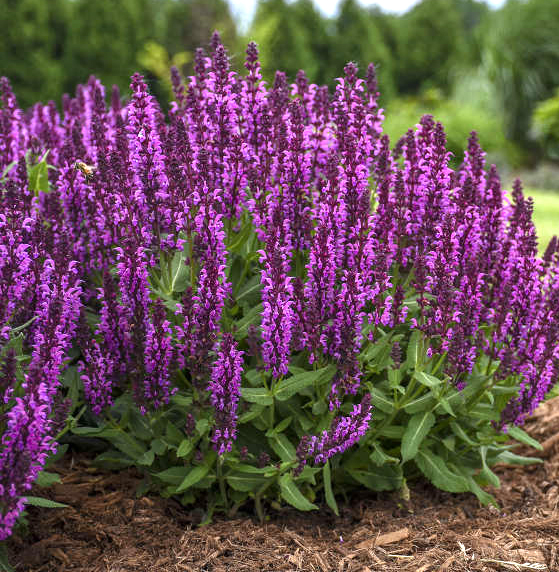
(143, 219)
(40, 301)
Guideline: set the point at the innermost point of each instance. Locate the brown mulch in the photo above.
(108, 529)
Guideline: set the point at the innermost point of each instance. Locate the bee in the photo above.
(87, 170)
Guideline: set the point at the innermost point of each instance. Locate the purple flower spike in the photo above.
(225, 391)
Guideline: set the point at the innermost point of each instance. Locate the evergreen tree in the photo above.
(282, 39)
(431, 40)
(358, 39)
(189, 24)
(318, 42)
(32, 44)
(105, 38)
(521, 58)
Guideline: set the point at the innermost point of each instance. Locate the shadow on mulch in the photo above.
(108, 529)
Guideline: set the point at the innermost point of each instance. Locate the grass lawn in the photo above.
(546, 214)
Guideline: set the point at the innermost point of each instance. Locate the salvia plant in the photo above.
(257, 299)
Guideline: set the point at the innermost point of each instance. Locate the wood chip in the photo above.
(384, 539)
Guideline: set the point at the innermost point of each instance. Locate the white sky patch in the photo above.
(244, 10)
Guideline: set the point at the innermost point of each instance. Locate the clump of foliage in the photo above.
(258, 298)
(545, 125)
(520, 54)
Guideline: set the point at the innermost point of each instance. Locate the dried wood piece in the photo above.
(384, 539)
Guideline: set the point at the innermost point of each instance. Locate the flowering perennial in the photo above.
(262, 256)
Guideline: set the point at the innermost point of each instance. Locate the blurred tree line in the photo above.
(457, 56)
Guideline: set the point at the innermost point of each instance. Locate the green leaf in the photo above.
(46, 479)
(259, 395)
(54, 458)
(196, 474)
(412, 357)
(140, 425)
(521, 435)
(251, 288)
(181, 400)
(450, 442)
(379, 457)
(44, 503)
(319, 408)
(202, 426)
(485, 412)
(459, 432)
(386, 478)
(254, 411)
(7, 169)
(38, 176)
(71, 380)
(328, 492)
(436, 470)
(483, 497)
(511, 458)
(282, 447)
(280, 427)
(381, 401)
(376, 348)
(146, 459)
(418, 427)
(445, 404)
(173, 435)
(245, 482)
(486, 473)
(294, 384)
(18, 329)
(180, 273)
(113, 460)
(173, 476)
(395, 432)
(120, 439)
(251, 469)
(291, 494)
(252, 317)
(241, 238)
(4, 563)
(422, 403)
(185, 448)
(394, 378)
(427, 379)
(159, 446)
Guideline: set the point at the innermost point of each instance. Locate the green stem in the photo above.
(400, 404)
(258, 507)
(68, 425)
(439, 363)
(241, 279)
(192, 263)
(258, 501)
(221, 480)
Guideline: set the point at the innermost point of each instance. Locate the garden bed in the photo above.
(108, 529)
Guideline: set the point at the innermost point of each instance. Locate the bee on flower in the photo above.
(88, 171)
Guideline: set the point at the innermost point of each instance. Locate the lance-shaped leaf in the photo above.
(418, 427)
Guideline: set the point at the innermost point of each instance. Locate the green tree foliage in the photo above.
(521, 58)
(283, 40)
(430, 42)
(318, 42)
(357, 38)
(189, 24)
(545, 123)
(32, 44)
(104, 39)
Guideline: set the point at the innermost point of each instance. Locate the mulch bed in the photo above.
(108, 529)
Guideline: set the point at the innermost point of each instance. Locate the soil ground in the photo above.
(107, 529)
